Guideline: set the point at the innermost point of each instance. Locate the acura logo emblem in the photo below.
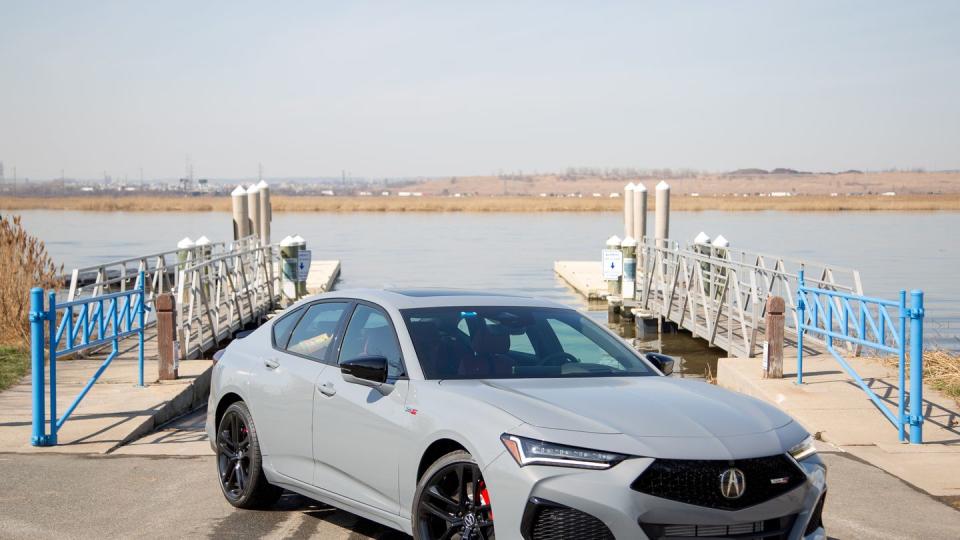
(732, 483)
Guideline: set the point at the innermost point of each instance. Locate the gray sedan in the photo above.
(467, 415)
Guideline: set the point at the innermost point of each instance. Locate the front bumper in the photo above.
(606, 495)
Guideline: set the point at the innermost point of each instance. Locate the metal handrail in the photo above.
(871, 324)
(110, 324)
(720, 295)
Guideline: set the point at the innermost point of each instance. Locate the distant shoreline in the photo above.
(529, 204)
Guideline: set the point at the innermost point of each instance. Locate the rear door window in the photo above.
(316, 329)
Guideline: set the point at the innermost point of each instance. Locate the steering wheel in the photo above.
(560, 358)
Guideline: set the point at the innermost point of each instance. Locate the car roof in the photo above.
(422, 298)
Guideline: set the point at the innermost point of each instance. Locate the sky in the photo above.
(397, 88)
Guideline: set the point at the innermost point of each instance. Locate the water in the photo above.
(515, 252)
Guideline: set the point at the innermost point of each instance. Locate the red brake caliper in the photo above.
(485, 497)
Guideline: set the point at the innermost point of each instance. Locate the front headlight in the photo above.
(803, 449)
(531, 452)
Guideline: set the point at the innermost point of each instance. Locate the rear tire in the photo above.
(239, 464)
(452, 501)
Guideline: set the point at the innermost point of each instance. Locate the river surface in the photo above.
(515, 252)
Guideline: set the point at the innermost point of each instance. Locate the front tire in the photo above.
(452, 501)
(239, 464)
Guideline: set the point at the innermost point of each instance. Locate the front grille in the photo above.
(698, 481)
(545, 520)
(816, 518)
(771, 529)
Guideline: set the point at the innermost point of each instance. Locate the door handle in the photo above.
(271, 363)
(326, 389)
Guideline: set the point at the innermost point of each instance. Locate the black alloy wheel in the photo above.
(239, 467)
(233, 460)
(453, 502)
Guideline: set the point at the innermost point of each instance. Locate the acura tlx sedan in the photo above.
(462, 415)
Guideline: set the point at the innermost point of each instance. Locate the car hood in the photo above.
(635, 406)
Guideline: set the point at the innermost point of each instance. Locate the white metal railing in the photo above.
(160, 270)
(720, 294)
(221, 294)
(219, 287)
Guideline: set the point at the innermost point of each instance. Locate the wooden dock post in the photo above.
(773, 359)
(628, 210)
(166, 337)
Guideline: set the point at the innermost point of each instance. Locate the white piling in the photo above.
(628, 214)
(629, 249)
(266, 213)
(639, 212)
(183, 252)
(253, 208)
(662, 230)
(241, 219)
(301, 244)
(288, 253)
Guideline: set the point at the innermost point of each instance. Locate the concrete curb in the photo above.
(193, 396)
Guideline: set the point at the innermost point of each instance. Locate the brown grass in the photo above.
(941, 370)
(24, 263)
(282, 203)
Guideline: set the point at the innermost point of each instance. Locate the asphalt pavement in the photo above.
(176, 496)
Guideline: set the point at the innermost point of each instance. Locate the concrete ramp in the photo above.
(114, 412)
(831, 404)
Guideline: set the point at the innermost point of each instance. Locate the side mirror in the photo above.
(663, 362)
(365, 370)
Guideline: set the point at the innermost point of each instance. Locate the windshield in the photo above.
(516, 343)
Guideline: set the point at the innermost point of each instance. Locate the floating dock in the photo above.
(585, 277)
(322, 276)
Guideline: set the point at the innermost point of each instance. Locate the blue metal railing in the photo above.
(87, 323)
(829, 315)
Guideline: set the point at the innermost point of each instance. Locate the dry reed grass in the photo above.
(286, 203)
(941, 370)
(24, 263)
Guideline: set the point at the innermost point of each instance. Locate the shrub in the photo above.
(24, 263)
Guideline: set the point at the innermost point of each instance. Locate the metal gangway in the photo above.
(720, 294)
(219, 288)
